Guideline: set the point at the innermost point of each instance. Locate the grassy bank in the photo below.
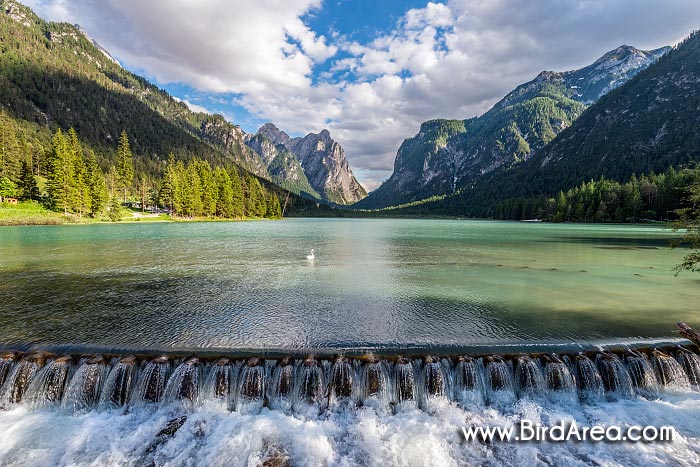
(29, 213)
(33, 213)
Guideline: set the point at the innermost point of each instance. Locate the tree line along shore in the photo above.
(68, 185)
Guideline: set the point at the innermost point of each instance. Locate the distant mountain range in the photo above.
(315, 161)
(631, 111)
(447, 155)
(54, 75)
(648, 124)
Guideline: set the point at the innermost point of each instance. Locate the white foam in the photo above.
(214, 436)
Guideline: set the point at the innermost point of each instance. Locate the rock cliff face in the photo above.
(283, 166)
(323, 162)
(216, 131)
(447, 155)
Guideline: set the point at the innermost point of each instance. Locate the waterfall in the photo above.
(48, 385)
(219, 381)
(434, 378)
(183, 385)
(152, 381)
(18, 380)
(528, 378)
(468, 388)
(84, 388)
(340, 382)
(375, 384)
(436, 383)
(559, 380)
(119, 384)
(250, 392)
(691, 364)
(405, 384)
(309, 387)
(499, 384)
(6, 362)
(282, 387)
(588, 378)
(642, 374)
(669, 371)
(616, 380)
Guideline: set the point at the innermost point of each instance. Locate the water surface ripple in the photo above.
(375, 284)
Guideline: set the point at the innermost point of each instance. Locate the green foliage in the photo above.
(647, 125)
(125, 165)
(8, 188)
(116, 211)
(96, 187)
(689, 221)
(645, 198)
(28, 188)
(52, 77)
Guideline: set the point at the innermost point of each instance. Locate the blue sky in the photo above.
(369, 71)
(346, 18)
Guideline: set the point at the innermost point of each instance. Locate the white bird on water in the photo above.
(311, 257)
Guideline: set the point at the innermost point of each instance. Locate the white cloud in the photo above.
(451, 60)
(193, 107)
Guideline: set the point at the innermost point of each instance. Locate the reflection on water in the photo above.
(396, 284)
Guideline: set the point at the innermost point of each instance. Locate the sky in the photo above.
(368, 70)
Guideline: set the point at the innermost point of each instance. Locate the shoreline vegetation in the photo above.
(73, 188)
(34, 213)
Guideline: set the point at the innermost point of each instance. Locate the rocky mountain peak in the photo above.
(448, 155)
(274, 134)
(322, 162)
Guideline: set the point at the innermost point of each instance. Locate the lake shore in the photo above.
(32, 213)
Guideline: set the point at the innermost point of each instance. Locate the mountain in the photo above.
(53, 75)
(323, 162)
(447, 155)
(649, 124)
(283, 166)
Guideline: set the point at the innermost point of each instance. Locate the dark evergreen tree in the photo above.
(224, 199)
(96, 188)
(27, 183)
(125, 165)
(60, 176)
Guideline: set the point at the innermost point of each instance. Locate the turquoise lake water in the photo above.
(374, 284)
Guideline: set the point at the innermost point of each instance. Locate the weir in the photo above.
(96, 382)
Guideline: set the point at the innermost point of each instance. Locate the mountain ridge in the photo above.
(455, 152)
(648, 125)
(323, 162)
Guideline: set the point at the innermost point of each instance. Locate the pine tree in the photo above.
(274, 210)
(125, 165)
(209, 188)
(59, 183)
(97, 190)
(192, 205)
(9, 149)
(238, 210)
(8, 188)
(144, 191)
(115, 209)
(79, 201)
(224, 199)
(27, 183)
(179, 188)
(166, 195)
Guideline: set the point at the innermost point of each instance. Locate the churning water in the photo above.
(341, 411)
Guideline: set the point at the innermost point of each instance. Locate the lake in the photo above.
(375, 284)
